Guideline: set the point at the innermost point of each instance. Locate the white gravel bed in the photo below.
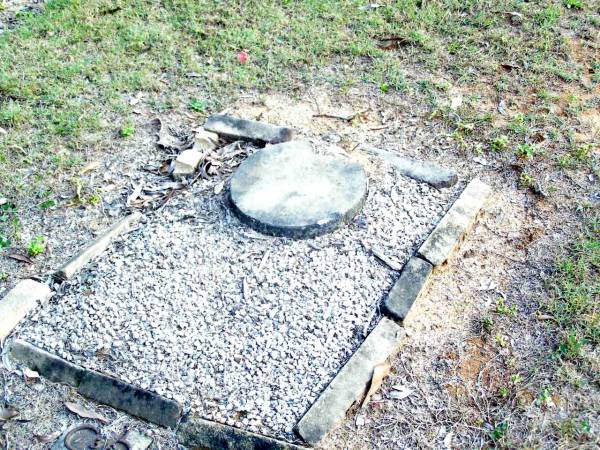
(242, 328)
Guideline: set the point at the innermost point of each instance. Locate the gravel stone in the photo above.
(247, 329)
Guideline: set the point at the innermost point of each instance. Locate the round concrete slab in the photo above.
(289, 190)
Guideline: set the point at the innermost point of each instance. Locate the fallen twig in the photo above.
(347, 118)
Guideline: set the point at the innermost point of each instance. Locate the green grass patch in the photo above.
(66, 72)
(576, 293)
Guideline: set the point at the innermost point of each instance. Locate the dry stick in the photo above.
(245, 289)
(509, 258)
(316, 104)
(263, 260)
(479, 386)
(383, 127)
(167, 199)
(174, 192)
(336, 116)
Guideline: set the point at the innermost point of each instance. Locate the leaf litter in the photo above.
(171, 139)
(217, 161)
(379, 373)
(7, 413)
(21, 258)
(84, 412)
(49, 437)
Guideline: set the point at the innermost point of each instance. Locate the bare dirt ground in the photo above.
(452, 367)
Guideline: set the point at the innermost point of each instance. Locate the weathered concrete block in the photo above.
(203, 434)
(97, 246)
(21, 299)
(407, 288)
(460, 217)
(205, 141)
(425, 171)
(187, 163)
(97, 386)
(235, 128)
(350, 384)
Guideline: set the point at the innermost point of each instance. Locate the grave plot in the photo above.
(241, 328)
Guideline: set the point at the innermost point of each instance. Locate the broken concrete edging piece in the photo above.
(407, 288)
(456, 223)
(21, 299)
(97, 386)
(186, 163)
(351, 382)
(203, 434)
(430, 173)
(94, 249)
(234, 128)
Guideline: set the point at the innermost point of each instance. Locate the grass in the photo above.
(528, 72)
(576, 293)
(37, 246)
(557, 379)
(64, 72)
(573, 304)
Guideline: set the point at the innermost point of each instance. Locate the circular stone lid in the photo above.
(289, 190)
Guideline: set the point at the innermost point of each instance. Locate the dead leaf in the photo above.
(89, 167)
(7, 413)
(167, 167)
(400, 393)
(19, 257)
(137, 190)
(168, 140)
(219, 187)
(393, 42)
(169, 185)
(81, 411)
(134, 100)
(544, 317)
(456, 101)
(3, 131)
(513, 13)
(370, 6)
(487, 285)
(379, 373)
(509, 67)
(50, 437)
